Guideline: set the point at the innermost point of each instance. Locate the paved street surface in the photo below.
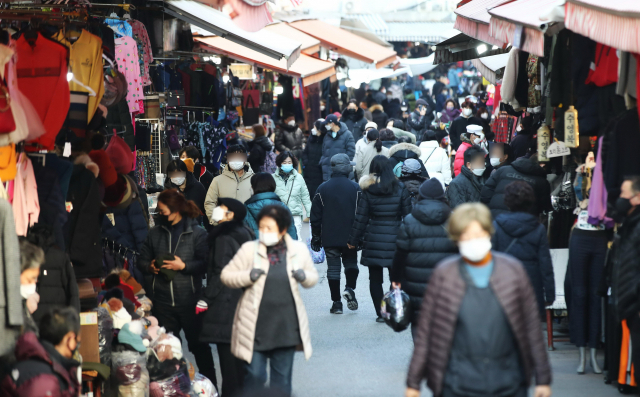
(353, 356)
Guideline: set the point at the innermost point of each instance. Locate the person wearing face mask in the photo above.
(466, 187)
(289, 137)
(271, 321)
(472, 136)
(45, 365)
(311, 158)
(435, 157)
(420, 119)
(500, 154)
(523, 169)
(263, 186)
(219, 302)
(191, 157)
(479, 329)
(449, 112)
(292, 190)
(378, 115)
(31, 258)
(261, 149)
(233, 182)
(174, 256)
(354, 118)
(404, 109)
(338, 139)
(459, 126)
(522, 142)
(391, 106)
(179, 177)
(399, 130)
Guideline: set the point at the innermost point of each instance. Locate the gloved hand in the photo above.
(255, 274)
(316, 243)
(299, 275)
(201, 307)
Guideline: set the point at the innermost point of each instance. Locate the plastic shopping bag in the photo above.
(396, 309)
(317, 256)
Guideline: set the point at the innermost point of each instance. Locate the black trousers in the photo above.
(588, 252)
(634, 331)
(175, 319)
(334, 268)
(232, 370)
(375, 286)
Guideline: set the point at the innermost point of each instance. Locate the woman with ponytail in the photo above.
(174, 257)
(367, 153)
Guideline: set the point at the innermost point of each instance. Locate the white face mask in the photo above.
(519, 128)
(475, 250)
(178, 181)
(269, 239)
(466, 112)
(485, 115)
(495, 161)
(236, 165)
(26, 290)
(478, 171)
(321, 107)
(218, 214)
(292, 123)
(328, 127)
(314, 132)
(477, 141)
(404, 108)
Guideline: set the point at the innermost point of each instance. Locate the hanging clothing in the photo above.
(10, 298)
(533, 74)
(85, 62)
(120, 27)
(26, 207)
(140, 32)
(128, 64)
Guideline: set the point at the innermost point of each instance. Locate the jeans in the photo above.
(375, 286)
(297, 221)
(281, 364)
(175, 319)
(350, 261)
(232, 371)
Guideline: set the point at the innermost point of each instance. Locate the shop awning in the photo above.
(614, 23)
(357, 27)
(430, 32)
(491, 67)
(216, 22)
(473, 20)
(310, 69)
(310, 45)
(508, 19)
(419, 66)
(347, 43)
(463, 48)
(373, 22)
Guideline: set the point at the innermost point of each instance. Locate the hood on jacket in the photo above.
(465, 138)
(261, 196)
(357, 116)
(376, 108)
(405, 146)
(431, 212)
(528, 167)
(517, 224)
(85, 160)
(263, 142)
(367, 181)
(341, 165)
(342, 130)
(29, 347)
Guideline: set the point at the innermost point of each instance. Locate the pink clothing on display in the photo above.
(129, 65)
(26, 207)
(140, 32)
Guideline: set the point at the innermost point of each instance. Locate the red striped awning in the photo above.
(473, 20)
(525, 13)
(614, 23)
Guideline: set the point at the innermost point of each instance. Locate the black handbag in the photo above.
(266, 103)
(176, 98)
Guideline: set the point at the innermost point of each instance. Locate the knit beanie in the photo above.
(431, 189)
(235, 206)
(189, 163)
(107, 173)
(411, 166)
(370, 124)
(120, 155)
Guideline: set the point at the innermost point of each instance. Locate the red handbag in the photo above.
(7, 122)
(250, 97)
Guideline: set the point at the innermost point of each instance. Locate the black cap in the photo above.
(331, 119)
(421, 102)
(431, 189)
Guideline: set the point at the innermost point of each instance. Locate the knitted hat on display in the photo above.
(121, 193)
(174, 344)
(120, 155)
(411, 166)
(107, 173)
(130, 334)
(190, 164)
(431, 189)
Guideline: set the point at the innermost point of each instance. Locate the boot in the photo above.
(594, 361)
(583, 361)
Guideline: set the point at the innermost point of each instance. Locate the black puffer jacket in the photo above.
(419, 124)
(202, 175)
(379, 116)
(404, 151)
(56, 283)
(342, 143)
(521, 235)
(193, 191)
(289, 138)
(422, 243)
(626, 277)
(259, 149)
(464, 188)
(522, 169)
(334, 209)
(355, 122)
(378, 218)
(192, 248)
(225, 240)
(312, 171)
(412, 183)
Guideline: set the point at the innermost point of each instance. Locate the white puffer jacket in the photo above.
(436, 161)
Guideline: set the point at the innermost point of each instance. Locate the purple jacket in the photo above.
(598, 198)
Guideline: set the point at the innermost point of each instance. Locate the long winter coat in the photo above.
(256, 203)
(522, 169)
(378, 219)
(355, 122)
(521, 235)
(439, 315)
(289, 138)
(217, 322)
(228, 184)
(379, 116)
(436, 161)
(422, 243)
(258, 153)
(404, 151)
(626, 276)
(465, 188)
(237, 275)
(365, 155)
(342, 143)
(57, 284)
(334, 210)
(293, 193)
(312, 169)
(185, 288)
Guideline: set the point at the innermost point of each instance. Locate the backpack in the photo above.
(269, 162)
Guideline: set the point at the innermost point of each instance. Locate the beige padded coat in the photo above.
(228, 184)
(236, 275)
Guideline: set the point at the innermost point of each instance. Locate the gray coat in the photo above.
(342, 143)
(464, 188)
(10, 298)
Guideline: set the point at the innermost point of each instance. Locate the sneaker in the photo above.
(336, 308)
(379, 320)
(350, 295)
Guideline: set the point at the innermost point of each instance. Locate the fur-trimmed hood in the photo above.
(405, 146)
(465, 138)
(376, 107)
(85, 160)
(368, 180)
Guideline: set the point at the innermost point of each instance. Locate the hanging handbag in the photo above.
(266, 103)
(151, 107)
(176, 98)
(7, 122)
(251, 97)
(173, 142)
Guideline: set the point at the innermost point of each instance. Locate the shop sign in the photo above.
(558, 149)
(242, 71)
(544, 140)
(571, 133)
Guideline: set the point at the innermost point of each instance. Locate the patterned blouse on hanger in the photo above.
(128, 64)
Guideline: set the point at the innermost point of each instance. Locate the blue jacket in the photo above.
(342, 143)
(130, 229)
(256, 203)
(530, 247)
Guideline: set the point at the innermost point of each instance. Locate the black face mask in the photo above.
(623, 205)
(161, 220)
(351, 111)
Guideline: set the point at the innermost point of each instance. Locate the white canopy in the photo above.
(488, 66)
(358, 76)
(419, 66)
